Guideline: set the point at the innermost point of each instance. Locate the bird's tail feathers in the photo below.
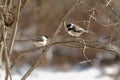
(90, 32)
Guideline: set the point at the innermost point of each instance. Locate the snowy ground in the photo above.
(90, 74)
(40, 74)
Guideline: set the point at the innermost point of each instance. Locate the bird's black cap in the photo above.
(68, 25)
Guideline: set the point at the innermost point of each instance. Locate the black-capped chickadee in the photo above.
(75, 30)
(40, 41)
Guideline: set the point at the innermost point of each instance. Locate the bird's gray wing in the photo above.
(78, 29)
(38, 39)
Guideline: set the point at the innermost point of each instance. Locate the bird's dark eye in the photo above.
(46, 36)
(68, 25)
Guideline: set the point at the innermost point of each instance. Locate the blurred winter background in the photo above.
(66, 61)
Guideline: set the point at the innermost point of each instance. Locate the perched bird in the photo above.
(74, 30)
(40, 41)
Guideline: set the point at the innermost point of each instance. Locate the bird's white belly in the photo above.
(75, 34)
(40, 44)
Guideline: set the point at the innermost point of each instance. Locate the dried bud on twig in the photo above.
(9, 18)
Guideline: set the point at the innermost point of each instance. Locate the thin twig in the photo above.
(8, 71)
(2, 42)
(84, 48)
(86, 61)
(5, 4)
(23, 4)
(22, 54)
(10, 4)
(15, 28)
(108, 2)
(89, 21)
(16, 40)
